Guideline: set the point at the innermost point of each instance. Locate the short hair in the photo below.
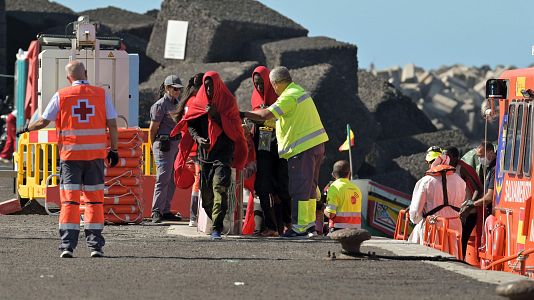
(280, 74)
(76, 70)
(487, 146)
(452, 152)
(341, 169)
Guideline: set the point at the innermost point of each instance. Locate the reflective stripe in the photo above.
(92, 188)
(303, 97)
(70, 187)
(82, 132)
(348, 214)
(94, 226)
(278, 110)
(347, 225)
(69, 226)
(302, 228)
(302, 140)
(83, 147)
(331, 207)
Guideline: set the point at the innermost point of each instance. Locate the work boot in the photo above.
(171, 217)
(156, 217)
(67, 254)
(291, 234)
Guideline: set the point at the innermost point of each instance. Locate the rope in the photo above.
(373, 255)
(485, 169)
(129, 172)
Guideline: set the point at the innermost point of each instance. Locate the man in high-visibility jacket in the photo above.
(81, 112)
(344, 199)
(301, 137)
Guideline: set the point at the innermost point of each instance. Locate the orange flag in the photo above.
(345, 145)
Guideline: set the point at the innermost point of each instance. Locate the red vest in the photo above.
(81, 125)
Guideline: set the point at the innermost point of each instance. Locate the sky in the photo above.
(393, 32)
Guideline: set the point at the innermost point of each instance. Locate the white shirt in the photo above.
(52, 109)
(428, 194)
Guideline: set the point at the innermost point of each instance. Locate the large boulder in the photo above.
(2, 46)
(120, 20)
(400, 162)
(220, 30)
(401, 180)
(396, 114)
(337, 106)
(133, 28)
(27, 18)
(307, 51)
(421, 142)
(232, 73)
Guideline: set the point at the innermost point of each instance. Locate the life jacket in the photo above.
(81, 125)
(441, 170)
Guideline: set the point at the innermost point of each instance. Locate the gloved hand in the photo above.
(202, 142)
(113, 158)
(23, 130)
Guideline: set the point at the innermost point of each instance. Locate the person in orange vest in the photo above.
(343, 199)
(440, 193)
(82, 113)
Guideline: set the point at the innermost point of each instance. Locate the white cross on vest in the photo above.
(83, 111)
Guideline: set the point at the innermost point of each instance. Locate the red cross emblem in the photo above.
(83, 111)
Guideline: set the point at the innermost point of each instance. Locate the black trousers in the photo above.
(272, 187)
(467, 229)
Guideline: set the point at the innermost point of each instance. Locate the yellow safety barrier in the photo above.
(37, 157)
(149, 166)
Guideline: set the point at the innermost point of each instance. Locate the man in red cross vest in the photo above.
(82, 113)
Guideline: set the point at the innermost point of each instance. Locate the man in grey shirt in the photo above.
(164, 149)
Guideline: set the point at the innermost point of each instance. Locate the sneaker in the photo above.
(269, 233)
(215, 235)
(312, 234)
(4, 161)
(192, 223)
(156, 217)
(67, 254)
(97, 253)
(293, 234)
(171, 217)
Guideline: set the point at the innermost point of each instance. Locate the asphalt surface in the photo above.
(175, 262)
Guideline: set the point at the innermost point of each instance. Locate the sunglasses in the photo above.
(176, 89)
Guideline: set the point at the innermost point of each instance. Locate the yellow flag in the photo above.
(345, 145)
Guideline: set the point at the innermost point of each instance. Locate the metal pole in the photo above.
(350, 152)
(21, 78)
(239, 206)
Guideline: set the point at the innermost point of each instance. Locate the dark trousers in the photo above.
(467, 229)
(303, 170)
(215, 180)
(271, 187)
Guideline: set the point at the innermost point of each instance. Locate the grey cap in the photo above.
(173, 80)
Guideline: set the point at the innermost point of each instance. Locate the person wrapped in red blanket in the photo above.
(212, 121)
(272, 184)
